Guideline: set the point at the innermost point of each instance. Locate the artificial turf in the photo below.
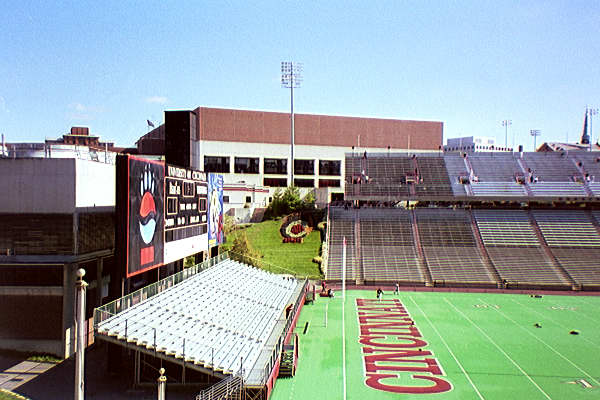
(487, 345)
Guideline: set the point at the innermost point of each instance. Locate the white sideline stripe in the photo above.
(449, 350)
(554, 321)
(499, 348)
(546, 344)
(344, 344)
(588, 317)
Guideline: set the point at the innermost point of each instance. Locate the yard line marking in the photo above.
(499, 348)
(588, 317)
(547, 345)
(449, 350)
(557, 323)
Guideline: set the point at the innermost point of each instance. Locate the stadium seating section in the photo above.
(226, 313)
(453, 176)
(555, 249)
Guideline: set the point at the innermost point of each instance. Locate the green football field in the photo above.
(460, 345)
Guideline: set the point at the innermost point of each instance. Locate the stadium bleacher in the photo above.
(217, 319)
(387, 246)
(341, 225)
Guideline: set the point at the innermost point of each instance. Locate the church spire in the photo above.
(585, 138)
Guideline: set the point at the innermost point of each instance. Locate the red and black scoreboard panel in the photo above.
(140, 213)
(185, 212)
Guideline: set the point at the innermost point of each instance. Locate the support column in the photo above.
(68, 322)
(81, 324)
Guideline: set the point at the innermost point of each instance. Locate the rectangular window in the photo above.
(304, 182)
(216, 164)
(275, 166)
(329, 183)
(275, 182)
(225, 199)
(201, 205)
(329, 167)
(188, 189)
(304, 167)
(245, 165)
(248, 199)
(171, 205)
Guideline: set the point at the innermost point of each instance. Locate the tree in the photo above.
(288, 202)
(243, 251)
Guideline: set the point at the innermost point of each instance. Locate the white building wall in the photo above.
(95, 184)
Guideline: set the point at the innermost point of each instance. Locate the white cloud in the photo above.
(156, 99)
(81, 112)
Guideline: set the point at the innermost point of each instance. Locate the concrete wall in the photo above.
(54, 185)
(95, 184)
(37, 185)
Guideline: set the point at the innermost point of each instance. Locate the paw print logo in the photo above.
(147, 211)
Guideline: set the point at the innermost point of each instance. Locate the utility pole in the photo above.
(291, 77)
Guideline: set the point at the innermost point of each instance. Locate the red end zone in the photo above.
(394, 350)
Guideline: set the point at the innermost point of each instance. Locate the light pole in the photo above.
(506, 123)
(592, 112)
(535, 133)
(291, 77)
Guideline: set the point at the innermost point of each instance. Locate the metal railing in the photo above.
(288, 324)
(229, 388)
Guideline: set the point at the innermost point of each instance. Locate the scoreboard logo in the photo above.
(146, 215)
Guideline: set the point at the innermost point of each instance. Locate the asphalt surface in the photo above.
(56, 382)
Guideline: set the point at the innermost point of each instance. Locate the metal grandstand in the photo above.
(490, 220)
(221, 318)
(541, 177)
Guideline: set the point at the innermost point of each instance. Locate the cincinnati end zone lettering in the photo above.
(394, 353)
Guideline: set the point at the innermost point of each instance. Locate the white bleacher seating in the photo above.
(567, 228)
(341, 223)
(225, 313)
(498, 189)
(494, 167)
(558, 189)
(510, 228)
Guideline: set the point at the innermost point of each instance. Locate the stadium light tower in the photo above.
(506, 123)
(591, 113)
(291, 77)
(535, 133)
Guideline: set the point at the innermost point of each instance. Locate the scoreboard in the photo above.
(163, 213)
(185, 212)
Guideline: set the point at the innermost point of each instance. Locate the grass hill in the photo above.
(279, 257)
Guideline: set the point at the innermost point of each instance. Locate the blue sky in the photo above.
(111, 65)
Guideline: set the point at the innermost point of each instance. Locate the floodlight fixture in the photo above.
(291, 74)
(535, 133)
(506, 123)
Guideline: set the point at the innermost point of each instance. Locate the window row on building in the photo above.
(274, 166)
